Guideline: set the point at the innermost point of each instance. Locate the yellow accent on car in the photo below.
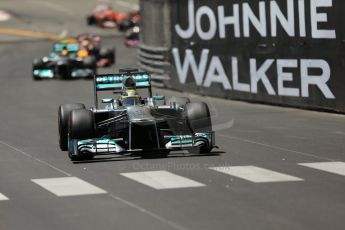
(131, 93)
(68, 41)
(82, 53)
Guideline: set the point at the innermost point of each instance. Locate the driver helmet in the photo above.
(64, 51)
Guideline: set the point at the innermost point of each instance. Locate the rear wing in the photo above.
(70, 47)
(114, 82)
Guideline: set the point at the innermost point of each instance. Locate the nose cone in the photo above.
(139, 114)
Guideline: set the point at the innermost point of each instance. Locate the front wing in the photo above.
(111, 146)
(46, 73)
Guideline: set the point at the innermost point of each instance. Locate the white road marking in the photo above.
(68, 186)
(148, 212)
(3, 197)
(339, 133)
(223, 126)
(126, 202)
(137, 207)
(337, 167)
(162, 180)
(34, 158)
(256, 174)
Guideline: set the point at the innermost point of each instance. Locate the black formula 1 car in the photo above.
(133, 19)
(132, 125)
(92, 44)
(65, 61)
(132, 37)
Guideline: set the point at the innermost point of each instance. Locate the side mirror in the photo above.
(158, 98)
(107, 100)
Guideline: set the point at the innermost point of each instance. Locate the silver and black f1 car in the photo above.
(132, 125)
(65, 61)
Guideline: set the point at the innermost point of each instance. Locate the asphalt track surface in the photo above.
(267, 137)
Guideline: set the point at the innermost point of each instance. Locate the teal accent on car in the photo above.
(158, 98)
(44, 73)
(107, 100)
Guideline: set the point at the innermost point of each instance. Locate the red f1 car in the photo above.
(104, 16)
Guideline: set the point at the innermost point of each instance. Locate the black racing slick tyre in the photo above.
(63, 115)
(180, 102)
(90, 20)
(199, 120)
(81, 124)
(198, 117)
(90, 62)
(37, 63)
(108, 54)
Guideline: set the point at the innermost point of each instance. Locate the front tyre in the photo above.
(90, 62)
(199, 121)
(63, 114)
(81, 125)
(198, 117)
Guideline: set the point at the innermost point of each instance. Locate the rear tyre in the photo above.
(180, 102)
(108, 54)
(90, 20)
(90, 62)
(199, 120)
(63, 114)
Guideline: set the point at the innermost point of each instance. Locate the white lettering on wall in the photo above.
(206, 11)
(229, 20)
(216, 74)
(188, 33)
(189, 61)
(320, 81)
(258, 23)
(301, 16)
(284, 77)
(320, 17)
(257, 75)
(288, 23)
(235, 81)
(251, 20)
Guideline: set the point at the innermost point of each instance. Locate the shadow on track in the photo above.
(131, 158)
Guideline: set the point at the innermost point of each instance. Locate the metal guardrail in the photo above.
(154, 60)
